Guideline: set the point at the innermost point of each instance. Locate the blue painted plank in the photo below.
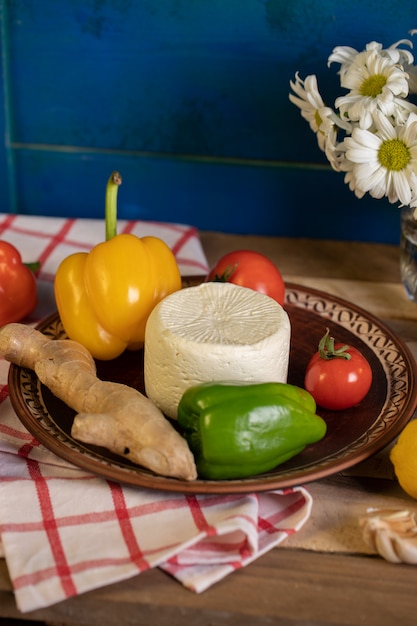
(7, 198)
(189, 98)
(195, 77)
(265, 200)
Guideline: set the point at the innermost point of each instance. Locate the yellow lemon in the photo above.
(404, 459)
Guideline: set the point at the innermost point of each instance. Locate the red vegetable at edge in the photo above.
(337, 376)
(251, 269)
(18, 287)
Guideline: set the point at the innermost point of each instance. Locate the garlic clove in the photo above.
(391, 533)
(406, 550)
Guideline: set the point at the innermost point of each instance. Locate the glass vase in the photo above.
(408, 251)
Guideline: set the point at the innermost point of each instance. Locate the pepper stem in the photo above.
(327, 350)
(112, 188)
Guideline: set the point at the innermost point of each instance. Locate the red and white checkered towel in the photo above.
(51, 239)
(64, 531)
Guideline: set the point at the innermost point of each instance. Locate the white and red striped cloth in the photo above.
(64, 531)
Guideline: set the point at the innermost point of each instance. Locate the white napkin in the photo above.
(64, 531)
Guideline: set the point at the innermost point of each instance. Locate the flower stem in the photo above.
(112, 188)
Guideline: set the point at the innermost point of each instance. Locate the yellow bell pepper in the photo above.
(104, 297)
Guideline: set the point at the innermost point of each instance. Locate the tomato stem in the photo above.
(112, 188)
(34, 266)
(328, 351)
(223, 278)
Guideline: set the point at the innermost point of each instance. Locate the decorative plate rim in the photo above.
(394, 356)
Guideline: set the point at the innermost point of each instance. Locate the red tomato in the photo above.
(337, 383)
(251, 269)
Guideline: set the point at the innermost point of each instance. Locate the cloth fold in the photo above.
(64, 531)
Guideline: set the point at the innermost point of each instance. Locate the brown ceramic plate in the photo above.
(352, 436)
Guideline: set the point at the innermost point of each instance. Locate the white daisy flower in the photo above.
(345, 55)
(412, 79)
(399, 55)
(372, 134)
(335, 152)
(385, 161)
(351, 182)
(348, 166)
(375, 83)
(322, 119)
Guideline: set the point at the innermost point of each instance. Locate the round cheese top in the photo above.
(213, 332)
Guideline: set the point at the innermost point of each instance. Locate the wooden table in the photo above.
(325, 574)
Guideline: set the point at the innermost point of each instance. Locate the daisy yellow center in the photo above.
(394, 155)
(373, 85)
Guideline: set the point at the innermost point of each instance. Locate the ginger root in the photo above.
(109, 414)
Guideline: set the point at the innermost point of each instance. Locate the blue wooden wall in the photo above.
(189, 100)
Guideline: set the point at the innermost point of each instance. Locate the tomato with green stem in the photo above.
(338, 376)
(251, 269)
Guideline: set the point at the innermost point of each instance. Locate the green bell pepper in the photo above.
(236, 431)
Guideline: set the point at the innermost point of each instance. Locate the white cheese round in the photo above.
(213, 332)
